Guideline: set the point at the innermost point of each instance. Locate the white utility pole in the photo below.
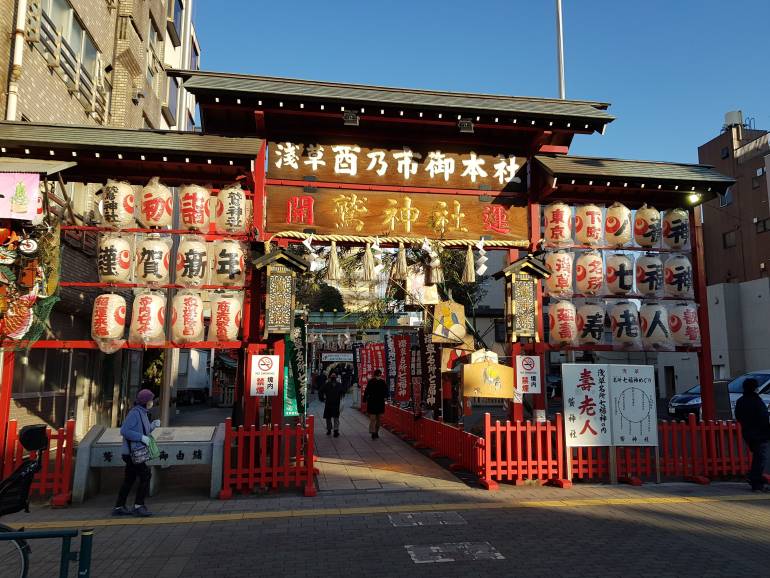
(560, 49)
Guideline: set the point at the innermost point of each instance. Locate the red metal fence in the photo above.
(55, 477)
(269, 456)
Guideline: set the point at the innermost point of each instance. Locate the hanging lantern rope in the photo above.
(369, 273)
(400, 268)
(469, 271)
(333, 272)
(361, 240)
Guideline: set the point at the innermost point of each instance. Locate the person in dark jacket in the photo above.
(320, 382)
(374, 395)
(135, 431)
(332, 391)
(751, 413)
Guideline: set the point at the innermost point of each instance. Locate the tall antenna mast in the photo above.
(560, 49)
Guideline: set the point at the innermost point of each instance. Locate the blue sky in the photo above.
(670, 68)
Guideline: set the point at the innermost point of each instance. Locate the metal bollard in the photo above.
(84, 559)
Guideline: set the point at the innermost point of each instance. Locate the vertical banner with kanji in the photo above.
(378, 358)
(358, 349)
(430, 371)
(403, 371)
(390, 361)
(633, 405)
(586, 404)
(417, 376)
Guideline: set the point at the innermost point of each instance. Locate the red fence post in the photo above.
(227, 454)
(63, 476)
(310, 490)
(486, 479)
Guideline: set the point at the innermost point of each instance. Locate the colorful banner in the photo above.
(403, 371)
(377, 358)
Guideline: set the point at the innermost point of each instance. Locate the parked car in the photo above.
(683, 404)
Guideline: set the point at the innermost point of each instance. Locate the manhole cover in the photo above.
(427, 519)
(453, 552)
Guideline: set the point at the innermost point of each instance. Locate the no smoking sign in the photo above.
(263, 378)
(528, 378)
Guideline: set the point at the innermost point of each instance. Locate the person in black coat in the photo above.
(374, 396)
(751, 413)
(332, 393)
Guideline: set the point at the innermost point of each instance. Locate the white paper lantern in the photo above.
(117, 205)
(194, 212)
(620, 274)
(560, 281)
(558, 224)
(231, 210)
(649, 275)
(590, 324)
(684, 325)
(156, 205)
(677, 275)
(654, 323)
(589, 273)
(225, 318)
(617, 225)
(647, 227)
(153, 254)
(676, 228)
(113, 259)
(148, 316)
(108, 319)
(229, 263)
(589, 224)
(562, 321)
(187, 318)
(191, 262)
(625, 324)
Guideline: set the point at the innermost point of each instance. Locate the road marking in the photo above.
(412, 519)
(452, 552)
(403, 508)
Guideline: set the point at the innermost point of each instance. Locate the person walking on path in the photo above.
(135, 431)
(320, 383)
(332, 393)
(374, 396)
(751, 413)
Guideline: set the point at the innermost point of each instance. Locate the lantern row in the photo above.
(615, 226)
(654, 326)
(148, 318)
(123, 258)
(155, 209)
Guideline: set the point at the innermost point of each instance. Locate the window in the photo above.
(726, 199)
(174, 21)
(190, 123)
(170, 105)
(762, 225)
(153, 61)
(728, 239)
(195, 57)
(754, 182)
(725, 152)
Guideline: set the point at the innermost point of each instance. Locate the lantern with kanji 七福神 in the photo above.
(620, 274)
(194, 212)
(624, 320)
(231, 210)
(108, 319)
(192, 262)
(113, 259)
(229, 263)
(589, 273)
(558, 224)
(676, 228)
(148, 316)
(653, 318)
(117, 205)
(647, 226)
(153, 254)
(187, 317)
(156, 205)
(617, 225)
(683, 323)
(562, 321)
(649, 275)
(590, 323)
(677, 277)
(560, 281)
(589, 224)
(225, 317)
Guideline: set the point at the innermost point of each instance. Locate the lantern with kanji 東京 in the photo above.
(590, 323)
(589, 273)
(620, 274)
(560, 265)
(108, 318)
(192, 263)
(231, 210)
(113, 259)
(589, 224)
(624, 321)
(117, 205)
(647, 226)
(684, 326)
(156, 205)
(558, 224)
(153, 254)
(676, 228)
(148, 316)
(617, 225)
(562, 322)
(653, 318)
(677, 277)
(649, 275)
(194, 212)
(187, 317)
(229, 263)
(225, 318)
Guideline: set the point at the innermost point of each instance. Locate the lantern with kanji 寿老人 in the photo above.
(194, 211)
(225, 317)
(676, 228)
(649, 275)
(558, 224)
(620, 274)
(153, 254)
(229, 263)
(559, 284)
(683, 323)
(677, 277)
(590, 323)
(148, 316)
(589, 224)
(653, 318)
(187, 317)
(647, 226)
(231, 210)
(156, 205)
(617, 225)
(113, 259)
(117, 205)
(192, 263)
(108, 319)
(624, 321)
(562, 323)
(589, 273)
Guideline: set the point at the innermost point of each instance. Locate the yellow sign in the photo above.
(448, 322)
(488, 379)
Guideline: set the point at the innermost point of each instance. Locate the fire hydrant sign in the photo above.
(264, 375)
(528, 374)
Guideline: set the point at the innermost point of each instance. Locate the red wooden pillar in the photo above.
(540, 348)
(705, 367)
(515, 410)
(6, 386)
(276, 407)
